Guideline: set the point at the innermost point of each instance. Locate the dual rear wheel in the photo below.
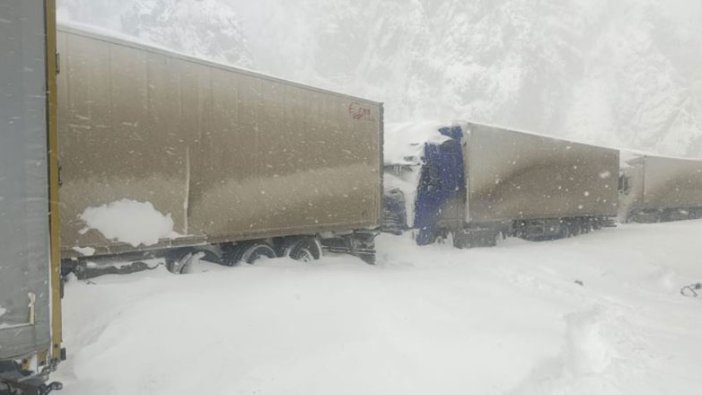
(305, 249)
(247, 253)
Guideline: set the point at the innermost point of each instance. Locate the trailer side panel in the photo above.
(670, 183)
(229, 154)
(518, 176)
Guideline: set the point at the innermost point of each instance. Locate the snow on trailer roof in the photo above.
(628, 152)
(134, 42)
(404, 142)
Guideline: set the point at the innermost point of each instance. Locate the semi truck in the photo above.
(473, 182)
(244, 165)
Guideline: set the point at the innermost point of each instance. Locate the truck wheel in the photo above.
(176, 260)
(247, 252)
(257, 251)
(305, 249)
(181, 261)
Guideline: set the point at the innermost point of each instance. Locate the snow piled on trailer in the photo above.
(404, 142)
(404, 146)
(597, 314)
(128, 221)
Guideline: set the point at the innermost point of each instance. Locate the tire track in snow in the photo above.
(602, 349)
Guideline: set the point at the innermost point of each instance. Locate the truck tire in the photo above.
(257, 251)
(179, 261)
(305, 249)
(248, 252)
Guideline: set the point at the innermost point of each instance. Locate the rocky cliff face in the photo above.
(625, 73)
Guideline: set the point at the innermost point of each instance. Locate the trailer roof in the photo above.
(625, 150)
(630, 155)
(409, 136)
(532, 133)
(132, 42)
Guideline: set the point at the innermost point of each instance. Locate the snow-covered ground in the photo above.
(597, 314)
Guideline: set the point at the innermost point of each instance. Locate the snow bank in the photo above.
(129, 221)
(597, 314)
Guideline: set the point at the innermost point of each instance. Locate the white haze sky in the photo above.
(623, 73)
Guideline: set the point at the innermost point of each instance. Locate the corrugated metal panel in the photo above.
(229, 154)
(514, 175)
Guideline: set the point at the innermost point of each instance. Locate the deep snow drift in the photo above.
(597, 314)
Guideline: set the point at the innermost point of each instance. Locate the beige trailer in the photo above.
(536, 187)
(235, 158)
(655, 188)
(514, 175)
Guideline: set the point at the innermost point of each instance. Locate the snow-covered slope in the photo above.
(597, 314)
(625, 73)
(203, 28)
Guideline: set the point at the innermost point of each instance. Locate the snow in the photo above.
(404, 146)
(129, 221)
(404, 142)
(85, 251)
(4, 325)
(596, 314)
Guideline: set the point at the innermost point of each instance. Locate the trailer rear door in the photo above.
(25, 258)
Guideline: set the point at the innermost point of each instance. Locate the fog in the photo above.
(624, 73)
